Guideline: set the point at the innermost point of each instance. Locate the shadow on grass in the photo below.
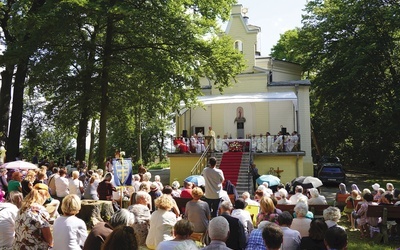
(365, 178)
(356, 243)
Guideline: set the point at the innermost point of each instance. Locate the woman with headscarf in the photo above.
(105, 188)
(342, 189)
(355, 187)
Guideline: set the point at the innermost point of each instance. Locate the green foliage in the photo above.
(351, 50)
(285, 49)
(127, 63)
(158, 165)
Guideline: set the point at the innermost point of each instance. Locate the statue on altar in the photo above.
(239, 115)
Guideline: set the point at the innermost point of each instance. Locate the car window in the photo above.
(332, 169)
(330, 159)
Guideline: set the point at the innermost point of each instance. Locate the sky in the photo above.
(274, 17)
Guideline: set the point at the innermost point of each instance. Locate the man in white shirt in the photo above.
(298, 193)
(243, 216)
(62, 185)
(213, 178)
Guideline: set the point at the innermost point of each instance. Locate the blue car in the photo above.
(332, 173)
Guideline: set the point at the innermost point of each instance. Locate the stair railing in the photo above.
(201, 163)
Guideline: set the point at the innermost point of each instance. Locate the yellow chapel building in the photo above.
(269, 96)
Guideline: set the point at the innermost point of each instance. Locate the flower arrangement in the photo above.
(235, 146)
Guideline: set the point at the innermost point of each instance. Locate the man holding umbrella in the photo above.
(214, 178)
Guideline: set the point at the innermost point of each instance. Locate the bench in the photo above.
(340, 200)
(349, 204)
(317, 210)
(385, 212)
(181, 203)
(289, 208)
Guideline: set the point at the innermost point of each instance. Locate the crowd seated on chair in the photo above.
(253, 215)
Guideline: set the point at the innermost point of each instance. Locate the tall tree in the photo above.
(166, 58)
(286, 48)
(66, 68)
(353, 46)
(98, 57)
(19, 21)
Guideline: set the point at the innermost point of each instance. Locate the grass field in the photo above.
(355, 243)
(365, 178)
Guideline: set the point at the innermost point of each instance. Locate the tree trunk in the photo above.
(92, 138)
(93, 212)
(5, 99)
(138, 128)
(17, 110)
(81, 138)
(104, 90)
(161, 147)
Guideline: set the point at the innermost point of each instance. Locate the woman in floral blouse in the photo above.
(32, 228)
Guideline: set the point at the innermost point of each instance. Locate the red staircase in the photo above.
(230, 165)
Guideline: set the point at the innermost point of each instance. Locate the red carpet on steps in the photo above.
(230, 165)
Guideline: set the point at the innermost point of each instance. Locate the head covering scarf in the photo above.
(342, 188)
(355, 187)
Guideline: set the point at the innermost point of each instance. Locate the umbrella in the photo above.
(272, 180)
(298, 180)
(20, 165)
(198, 180)
(313, 181)
(307, 182)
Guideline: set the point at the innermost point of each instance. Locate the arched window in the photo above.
(239, 46)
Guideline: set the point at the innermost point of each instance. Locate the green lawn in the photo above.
(364, 178)
(354, 241)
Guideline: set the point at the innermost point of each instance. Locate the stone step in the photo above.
(244, 182)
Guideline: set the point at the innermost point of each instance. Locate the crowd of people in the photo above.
(357, 206)
(38, 210)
